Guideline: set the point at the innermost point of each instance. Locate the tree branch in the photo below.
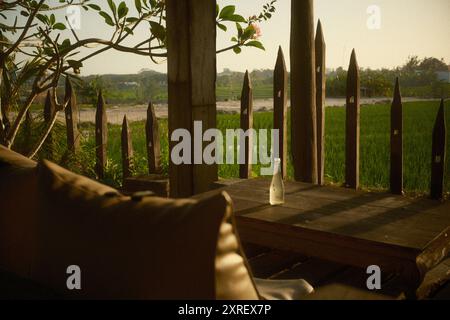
(26, 28)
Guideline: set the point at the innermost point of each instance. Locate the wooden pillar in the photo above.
(245, 169)
(320, 102)
(280, 97)
(396, 173)
(303, 91)
(73, 135)
(153, 142)
(352, 125)
(101, 136)
(438, 155)
(127, 149)
(191, 55)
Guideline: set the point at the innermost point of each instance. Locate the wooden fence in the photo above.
(280, 101)
(352, 130)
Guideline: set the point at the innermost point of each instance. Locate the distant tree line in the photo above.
(418, 78)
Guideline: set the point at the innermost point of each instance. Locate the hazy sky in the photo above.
(407, 27)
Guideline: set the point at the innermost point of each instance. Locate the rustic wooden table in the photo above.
(401, 235)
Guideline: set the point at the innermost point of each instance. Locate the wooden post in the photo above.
(73, 135)
(352, 125)
(101, 136)
(127, 149)
(320, 102)
(191, 57)
(245, 170)
(153, 142)
(303, 91)
(280, 97)
(49, 111)
(396, 175)
(438, 155)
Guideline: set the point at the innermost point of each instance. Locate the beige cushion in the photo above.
(18, 203)
(14, 159)
(151, 249)
(283, 289)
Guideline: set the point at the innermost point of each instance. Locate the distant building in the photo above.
(444, 75)
(131, 84)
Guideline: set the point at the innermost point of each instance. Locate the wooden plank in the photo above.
(127, 150)
(303, 92)
(436, 251)
(280, 97)
(49, 111)
(351, 277)
(438, 155)
(252, 250)
(153, 141)
(435, 280)
(191, 43)
(340, 249)
(314, 271)
(396, 173)
(71, 112)
(270, 264)
(101, 136)
(379, 217)
(352, 136)
(320, 48)
(245, 169)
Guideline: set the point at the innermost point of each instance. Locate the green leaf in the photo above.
(74, 64)
(240, 30)
(52, 19)
(112, 6)
(236, 18)
(128, 30)
(217, 10)
(158, 31)
(138, 5)
(65, 44)
(237, 50)
(248, 33)
(59, 26)
(122, 10)
(255, 44)
(42, 18)
(222, 26)
(132, 19)
(107, 18)
(227, 12)
(94, 6)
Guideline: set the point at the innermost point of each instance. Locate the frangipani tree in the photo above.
(37, 50)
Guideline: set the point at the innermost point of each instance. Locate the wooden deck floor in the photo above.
(274, 264)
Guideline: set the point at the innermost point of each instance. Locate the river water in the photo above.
(115, 114)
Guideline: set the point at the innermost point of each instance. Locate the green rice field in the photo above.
(419, 118)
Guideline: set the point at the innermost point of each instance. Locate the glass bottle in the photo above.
(277, 185)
